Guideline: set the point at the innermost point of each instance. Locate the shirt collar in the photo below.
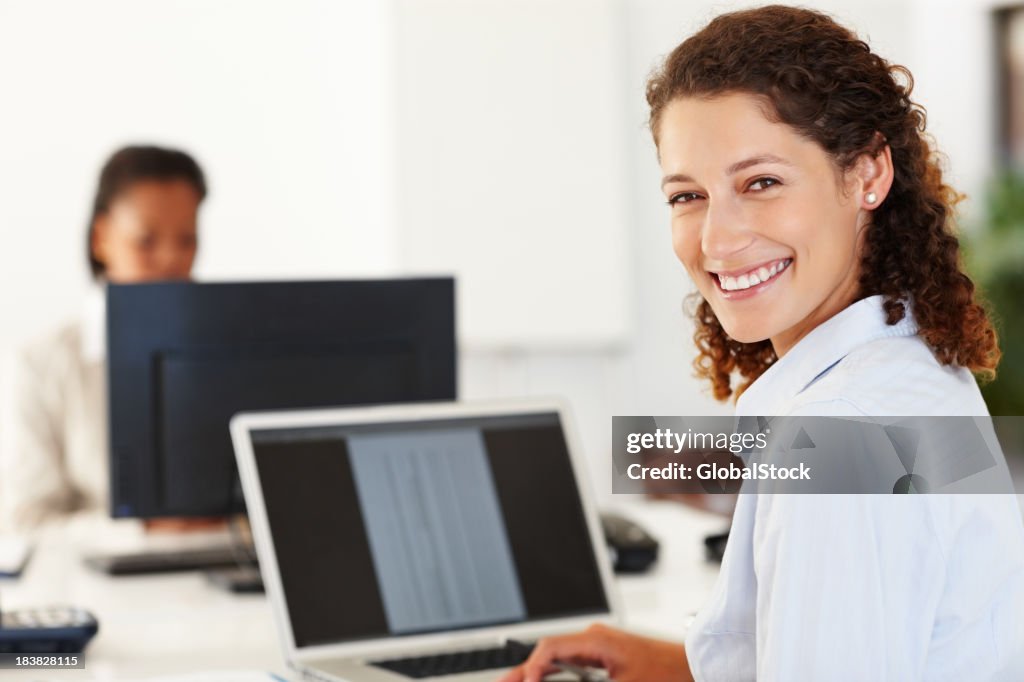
(816, 353)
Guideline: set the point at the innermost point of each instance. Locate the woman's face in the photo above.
(760, 218)
(149, 233)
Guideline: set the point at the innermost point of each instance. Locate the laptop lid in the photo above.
(399, 528)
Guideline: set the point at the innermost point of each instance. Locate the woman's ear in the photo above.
(873, 175)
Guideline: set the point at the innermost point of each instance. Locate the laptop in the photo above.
(433, 541)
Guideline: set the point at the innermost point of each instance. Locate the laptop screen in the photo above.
(401, 528)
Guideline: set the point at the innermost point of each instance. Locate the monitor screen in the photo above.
(183, 358)
(398, 528)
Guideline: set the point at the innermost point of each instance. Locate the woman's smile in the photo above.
(746, 282)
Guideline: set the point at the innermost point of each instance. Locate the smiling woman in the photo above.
(811, 156)
(810, 211)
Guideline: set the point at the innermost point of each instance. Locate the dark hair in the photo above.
(130, 165)
(827, 85)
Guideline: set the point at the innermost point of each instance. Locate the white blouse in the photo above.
(53, 451)
(865, 587)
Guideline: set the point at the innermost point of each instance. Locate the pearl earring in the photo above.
(871, 197)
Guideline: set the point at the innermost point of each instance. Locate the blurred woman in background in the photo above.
(143, 228)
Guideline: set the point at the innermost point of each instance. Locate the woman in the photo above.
(812, 215)
(142, 228)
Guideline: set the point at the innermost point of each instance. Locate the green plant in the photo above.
(995, 259)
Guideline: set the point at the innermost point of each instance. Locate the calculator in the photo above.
(51, 630)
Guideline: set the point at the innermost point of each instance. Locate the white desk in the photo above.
(176, 623)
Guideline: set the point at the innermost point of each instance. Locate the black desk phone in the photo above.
(50, 630)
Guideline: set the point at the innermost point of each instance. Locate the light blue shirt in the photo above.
(865, 587)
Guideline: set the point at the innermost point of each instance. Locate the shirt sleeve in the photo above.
(34, 486)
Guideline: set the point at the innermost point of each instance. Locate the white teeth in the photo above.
(752, 278)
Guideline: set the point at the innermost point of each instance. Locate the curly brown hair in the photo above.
(826, 84)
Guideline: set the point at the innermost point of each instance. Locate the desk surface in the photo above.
(160, 625)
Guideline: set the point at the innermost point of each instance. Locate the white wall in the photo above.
(511, 166)
(953, 59)
(291, 108)
(286, 105)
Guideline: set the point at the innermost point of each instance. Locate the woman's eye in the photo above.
(682, 198)
(764, 183)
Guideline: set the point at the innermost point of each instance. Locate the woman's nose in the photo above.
(725, 233)
(172, 263)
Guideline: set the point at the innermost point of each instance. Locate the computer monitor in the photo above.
(183, 358)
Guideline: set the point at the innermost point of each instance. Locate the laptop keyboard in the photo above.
(453, 663)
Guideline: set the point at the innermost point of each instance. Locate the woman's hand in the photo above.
(626, 657)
